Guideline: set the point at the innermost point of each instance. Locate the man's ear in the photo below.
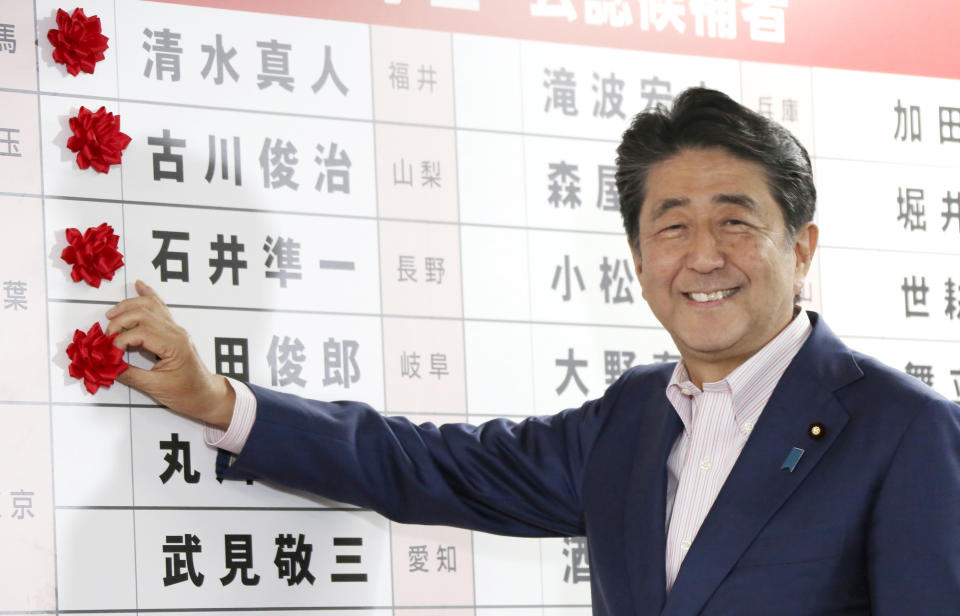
(637, 261)
(804, 247)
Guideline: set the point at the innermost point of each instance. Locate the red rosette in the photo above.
(77, 41)
(97, 139)
(93, 255)
(94, 359)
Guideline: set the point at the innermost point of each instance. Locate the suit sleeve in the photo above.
(500, 477)
(914, 550)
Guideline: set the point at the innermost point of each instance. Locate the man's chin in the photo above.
(708, 345)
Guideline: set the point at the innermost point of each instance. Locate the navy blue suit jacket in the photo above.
(868, 522)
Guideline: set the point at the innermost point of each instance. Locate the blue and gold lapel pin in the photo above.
(791, 460)
(817, 430)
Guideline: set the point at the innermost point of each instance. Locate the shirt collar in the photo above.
(752, 383)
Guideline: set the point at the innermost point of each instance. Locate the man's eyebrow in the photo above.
(668, 204)
(738, 199)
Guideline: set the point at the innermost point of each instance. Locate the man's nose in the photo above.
(704, 253)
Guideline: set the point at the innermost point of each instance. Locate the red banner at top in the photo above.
(890, 36)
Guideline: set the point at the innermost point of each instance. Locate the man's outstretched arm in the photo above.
(501, 477)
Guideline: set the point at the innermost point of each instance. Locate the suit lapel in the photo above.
(757, 487)
(645, 511)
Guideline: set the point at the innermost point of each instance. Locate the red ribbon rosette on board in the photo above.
(97, 139)
(93, 255)
(94, 359)
(78, 41)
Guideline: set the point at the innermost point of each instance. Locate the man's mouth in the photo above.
(711, 296)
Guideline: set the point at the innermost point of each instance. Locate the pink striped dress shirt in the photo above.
(244, 413)
(717, 422)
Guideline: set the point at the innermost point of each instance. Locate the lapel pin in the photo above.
(791, 460)
(817, 430)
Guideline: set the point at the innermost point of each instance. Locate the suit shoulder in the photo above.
(884, 389)
(635, 385)
(638, 386)
(649, 374)
(642, 381)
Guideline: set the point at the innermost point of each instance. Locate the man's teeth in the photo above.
(712, 296)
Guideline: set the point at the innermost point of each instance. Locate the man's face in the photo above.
(716, 263)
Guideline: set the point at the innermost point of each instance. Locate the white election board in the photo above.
(358, 205)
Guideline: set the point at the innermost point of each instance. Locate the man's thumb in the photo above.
(144, 289)
(137, 378)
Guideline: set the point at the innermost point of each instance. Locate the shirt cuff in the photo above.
(244, 414)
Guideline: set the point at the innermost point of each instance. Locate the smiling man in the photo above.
(722, 267)
(771, 471)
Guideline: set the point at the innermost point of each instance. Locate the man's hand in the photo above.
(179, 380)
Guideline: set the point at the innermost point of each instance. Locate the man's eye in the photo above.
(735, 221)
